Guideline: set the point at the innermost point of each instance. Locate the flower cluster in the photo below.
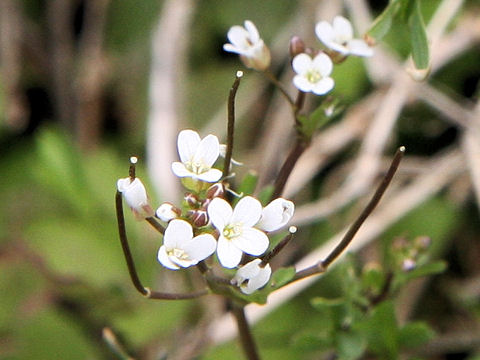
(206, 223)
(313, 69)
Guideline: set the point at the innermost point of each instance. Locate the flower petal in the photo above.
(247, 211)
(360, 48)
(276, 214)
(177, 234)
(254, 36)
(325, 33)
(323, 63)
(301, 63)
(343, 29)
(238, 36)
(323, 86)
(220, 212)
(187, 144)
(252, 241)
(207, 151)
(228, 254)
(180, 170)
(201, 247)
(165, 260)
(302, 84)
(258, 281)
(211, 176)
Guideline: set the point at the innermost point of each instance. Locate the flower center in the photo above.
(178, 253)
(313, 76)
(196, 167)
(232, 231)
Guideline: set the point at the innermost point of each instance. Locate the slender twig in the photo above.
(300, 146)
(246, 337)
(156, 225)
(145, 291)
(269, 256)
(113, 343)
(279, 86)
(322, 266)
(231, 123)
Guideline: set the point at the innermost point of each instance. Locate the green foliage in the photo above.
(407, 12)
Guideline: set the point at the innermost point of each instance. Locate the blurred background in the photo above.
(85, 84)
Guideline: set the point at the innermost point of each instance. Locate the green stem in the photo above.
(231, 124)
(246, 338)
(280, 87)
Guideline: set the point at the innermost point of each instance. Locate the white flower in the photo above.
(251, 276)
(276, 214)
(167, 212)
(247, 43)
(339, 37)
(197, 156)
(237, 234)
(181, 249)
(135, 196)
(313, 75)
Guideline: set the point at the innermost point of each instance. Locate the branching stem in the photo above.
(322, 266)
(245, 334)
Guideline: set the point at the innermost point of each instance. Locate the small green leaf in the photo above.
(282, 276)
(382, 24)
(351, 345)
(248, 184)
(419, 41)
(415, 334)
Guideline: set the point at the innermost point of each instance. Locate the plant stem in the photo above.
(231, 123)
(246, 337)
(147, 292)
(269, 256)
(300, 146)
(156, 225)
(322, 266)
(280, 87)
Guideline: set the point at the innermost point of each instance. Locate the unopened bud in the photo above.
(216, 190)
(167, 212)
(198, 217)
(135, 196)
(408, 265)
(192, 200)
(297, 46)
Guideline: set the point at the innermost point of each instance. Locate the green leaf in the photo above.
(265, 194)
(415, 334)
(382, 24)
(282, 276)
(419, 41)
(248, 184)
(350, 345)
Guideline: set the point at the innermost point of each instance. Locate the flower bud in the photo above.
(167, 212)
(216, 190)
(297, 46)
(198, 217)
(408, 265)
(135, 196)
(192, 200)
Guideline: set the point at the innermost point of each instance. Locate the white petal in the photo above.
(212, 175)
(220, 213)
(302, 84)
(183, 262)
(207, 151)
(247, 271)
(228, 254)
(325, 32)
(201, 247)
(254, 36)
(123, 184)
(232, 49)
(276, 214)
(180, 170)
(247, 211)
(359, 47)
(252, 241)
(178, 233)
(343, 29)
(323, 86)
(187, 144)
(301, 63)
(133, 192)
(323, 63)
(164, 259)
(260, 280)
(238, 36)
(165, 212)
